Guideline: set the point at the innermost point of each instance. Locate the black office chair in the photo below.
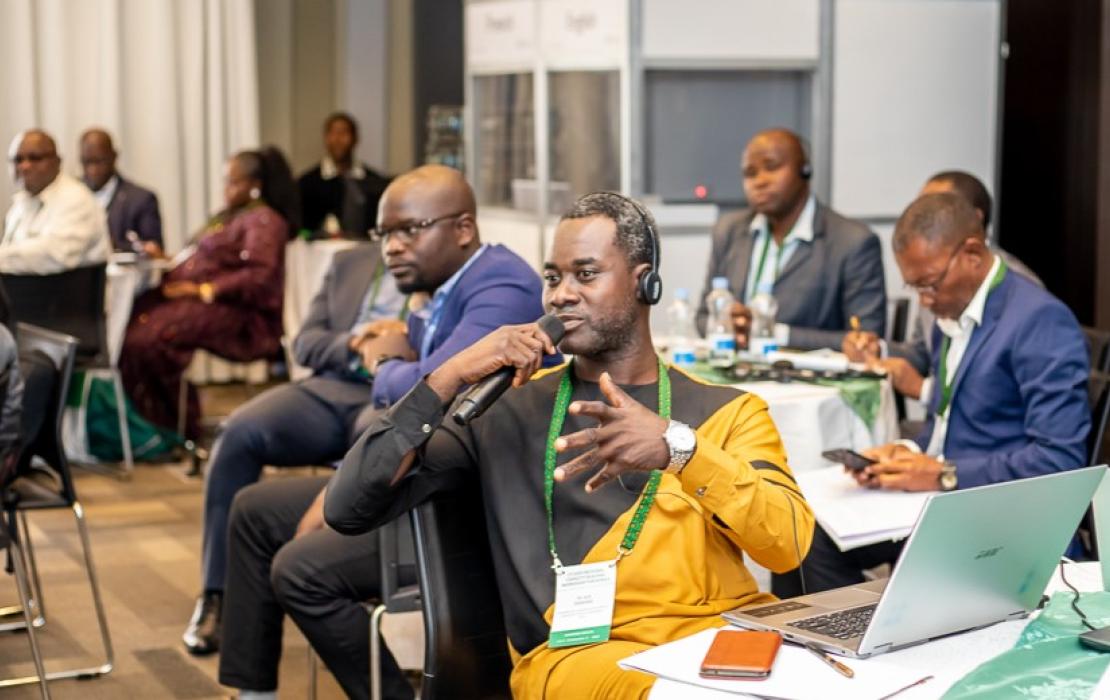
(72, 302)
(466, 649)
(28, 493)
(900, 320)
(1098, 450)
(17, 558)
(1098, 343)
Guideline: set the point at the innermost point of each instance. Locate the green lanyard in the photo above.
(763, 260)
(947, 384)
(558, 416)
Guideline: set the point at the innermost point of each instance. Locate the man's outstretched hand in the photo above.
(629, 438)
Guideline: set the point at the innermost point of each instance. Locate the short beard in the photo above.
(611, 336)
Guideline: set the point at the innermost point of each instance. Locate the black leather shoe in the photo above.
(202, 636)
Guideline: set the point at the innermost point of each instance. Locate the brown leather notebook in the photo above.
(741, 654)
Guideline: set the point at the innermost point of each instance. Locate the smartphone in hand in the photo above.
(849, 458)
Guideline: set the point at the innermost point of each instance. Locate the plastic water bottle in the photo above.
(718, 325)
(763, 307)
(680, 322)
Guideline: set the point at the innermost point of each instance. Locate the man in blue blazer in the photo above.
(133, 217)
(280, 558)
(823, 268)
(1011, 368)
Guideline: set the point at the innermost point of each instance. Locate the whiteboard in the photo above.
(914, 92)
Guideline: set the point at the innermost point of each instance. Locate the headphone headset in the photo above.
(649, 288)
(806, 171)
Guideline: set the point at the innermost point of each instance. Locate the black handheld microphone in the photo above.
(481, 396)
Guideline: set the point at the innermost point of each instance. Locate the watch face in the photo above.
(681, 437)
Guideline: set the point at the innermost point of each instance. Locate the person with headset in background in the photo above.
(823, 267)
(614, 465)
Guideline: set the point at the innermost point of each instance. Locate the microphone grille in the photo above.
(553, 327)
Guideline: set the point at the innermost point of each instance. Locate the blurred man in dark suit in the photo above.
(339, 197)
(133, 217)
(823, 268)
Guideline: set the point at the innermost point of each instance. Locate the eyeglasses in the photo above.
(932, 287)
(30, 157)
(407, 232)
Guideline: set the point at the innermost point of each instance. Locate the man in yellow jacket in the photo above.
(620, 485)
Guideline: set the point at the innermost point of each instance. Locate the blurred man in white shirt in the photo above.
(54, 223)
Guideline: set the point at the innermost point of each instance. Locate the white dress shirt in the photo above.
(959, 333)
(59, 229)
(104, 194)
(774, 257)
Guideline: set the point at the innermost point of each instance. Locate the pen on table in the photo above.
(840, 668)
(919, 681)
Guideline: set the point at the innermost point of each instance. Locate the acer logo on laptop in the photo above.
(987, 553)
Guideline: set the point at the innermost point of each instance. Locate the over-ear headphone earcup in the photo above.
(650, 287)
(806, 171)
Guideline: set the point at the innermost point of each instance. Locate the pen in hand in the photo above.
(839, 667)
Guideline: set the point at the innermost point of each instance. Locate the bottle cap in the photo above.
(720, 283)
(681, 294)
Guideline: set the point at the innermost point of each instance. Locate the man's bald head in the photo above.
(785, 139)
(36, 161)
(98, 158)
(943, 219)
(436, 188)
(771, 167)
(427, 221)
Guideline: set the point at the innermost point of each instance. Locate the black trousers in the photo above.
(288, 426)
(319, 579)
(827, 567)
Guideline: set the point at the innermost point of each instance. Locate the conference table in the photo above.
(945, 660)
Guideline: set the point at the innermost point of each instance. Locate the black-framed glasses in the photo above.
(408, 231)
(932, 287)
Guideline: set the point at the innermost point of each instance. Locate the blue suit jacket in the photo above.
(1019, 402)
(498, 289)
(133, 208)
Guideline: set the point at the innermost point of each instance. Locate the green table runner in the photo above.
(861, 395)
(1048, 660)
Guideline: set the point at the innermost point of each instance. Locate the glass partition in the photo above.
(585, 135)
(504, 137)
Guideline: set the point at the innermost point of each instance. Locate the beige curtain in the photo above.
(174, 81)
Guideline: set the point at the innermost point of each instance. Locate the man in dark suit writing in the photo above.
(823, 267)
(134, 221)
(1011, 372)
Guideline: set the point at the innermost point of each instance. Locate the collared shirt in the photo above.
(773, 256)
(58, 229)
(382, 300)
(433, 310)
(959, 332)
(104, 194)
(329, 170)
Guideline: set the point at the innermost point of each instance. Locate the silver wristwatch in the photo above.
(681, 441)
(947, 477)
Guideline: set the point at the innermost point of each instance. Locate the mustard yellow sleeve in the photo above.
(739, 475)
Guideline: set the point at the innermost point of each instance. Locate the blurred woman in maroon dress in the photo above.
(225, 297)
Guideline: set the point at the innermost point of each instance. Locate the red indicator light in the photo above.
(701, 191)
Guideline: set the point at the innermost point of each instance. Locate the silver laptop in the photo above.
(975, 557)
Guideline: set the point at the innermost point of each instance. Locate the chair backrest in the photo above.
(1099, 394)
(900, 319)
(466, 648)
(61, 350)
(1098, 343)
(70, 302)
(399, 590)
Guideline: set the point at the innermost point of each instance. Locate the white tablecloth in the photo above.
(812, 419)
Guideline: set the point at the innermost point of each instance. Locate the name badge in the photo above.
(584, 596)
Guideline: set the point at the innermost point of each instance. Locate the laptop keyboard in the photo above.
(843, 624)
